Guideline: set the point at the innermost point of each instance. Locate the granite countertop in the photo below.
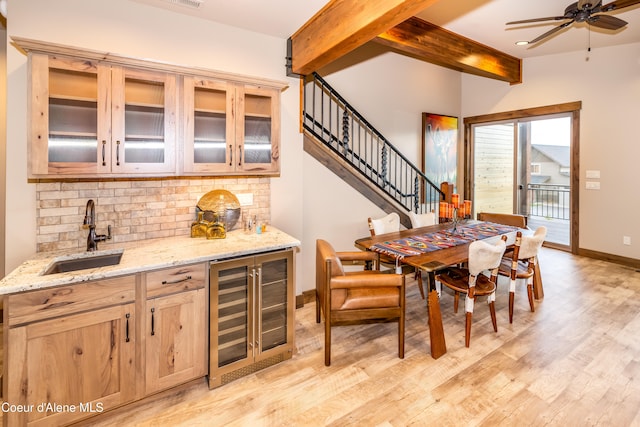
(144, 256)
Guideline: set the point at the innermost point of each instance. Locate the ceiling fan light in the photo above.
(522, 43)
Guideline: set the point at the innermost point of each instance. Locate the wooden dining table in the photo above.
(435, 260)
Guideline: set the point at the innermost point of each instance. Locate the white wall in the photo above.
(608, 84)
(133, 29)
(392, 91)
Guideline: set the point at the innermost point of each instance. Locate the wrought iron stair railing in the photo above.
(331, 120)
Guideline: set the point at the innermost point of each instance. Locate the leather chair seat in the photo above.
(523, 271)
(458, 280)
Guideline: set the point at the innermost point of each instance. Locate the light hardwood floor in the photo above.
(574, 362)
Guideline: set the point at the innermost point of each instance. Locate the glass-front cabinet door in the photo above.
(144, 121)
(209, 131)
(89, 118)
(258, 132)
(274, 275)
(69, 109)
(231, 294)
(230, 128)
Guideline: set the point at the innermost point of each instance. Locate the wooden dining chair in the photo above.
(515, 220)
(521, 264)
(345, 298)
(386, 224)
(422, 220)
(473, 283)
(389, 224)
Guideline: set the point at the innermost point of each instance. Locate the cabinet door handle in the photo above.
(117, 153)
(127, 316)
(230, 155)
(173, 282)
(258, 336)
(239, 156)
(153, 329)
(104, 147)
(255, 297)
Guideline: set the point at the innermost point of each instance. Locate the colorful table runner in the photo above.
(417, 245)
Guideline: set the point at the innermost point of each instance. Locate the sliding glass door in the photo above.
(523, 165)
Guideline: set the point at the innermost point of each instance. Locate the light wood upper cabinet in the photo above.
(98, 114)
(230, 128)
(143, 120)
(90, 118)
(258, 131)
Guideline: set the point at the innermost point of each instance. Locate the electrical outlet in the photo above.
(245, 199)
(626, 240)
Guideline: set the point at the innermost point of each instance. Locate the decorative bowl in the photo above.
(220, 203)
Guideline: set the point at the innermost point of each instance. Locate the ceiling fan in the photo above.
(589, 11)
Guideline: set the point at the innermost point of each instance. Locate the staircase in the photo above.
(339, 137)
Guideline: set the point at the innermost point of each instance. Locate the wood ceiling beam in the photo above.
(343, 25)
(434, 44)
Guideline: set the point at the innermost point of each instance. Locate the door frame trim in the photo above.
(569, 107)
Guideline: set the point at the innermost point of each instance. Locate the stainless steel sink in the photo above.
(84, 261)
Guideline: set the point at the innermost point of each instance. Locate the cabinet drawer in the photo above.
(63, 300)
(177, 279)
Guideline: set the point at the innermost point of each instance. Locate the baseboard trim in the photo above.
(305, 298)
(629, 262)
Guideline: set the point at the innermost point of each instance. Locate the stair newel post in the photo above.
(345, 132)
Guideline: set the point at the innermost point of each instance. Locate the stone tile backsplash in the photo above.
(136, 210)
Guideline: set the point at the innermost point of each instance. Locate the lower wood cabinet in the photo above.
(251, 315)
(175, 327)
(78, 350)
(60, 369)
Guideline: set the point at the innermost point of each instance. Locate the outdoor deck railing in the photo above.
(549, 201)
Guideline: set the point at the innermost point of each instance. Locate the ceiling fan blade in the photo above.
(551, 18)
(550, 32)
(607, 22)
(619, 4)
